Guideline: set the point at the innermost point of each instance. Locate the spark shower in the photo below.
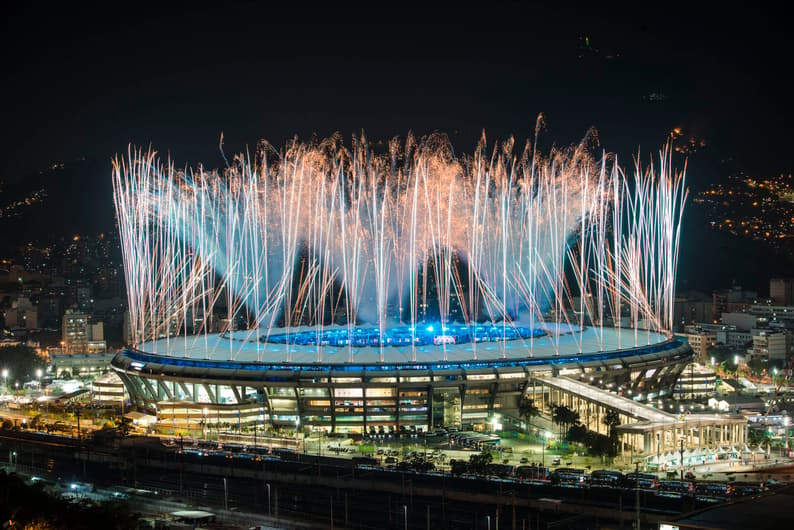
(322, 236)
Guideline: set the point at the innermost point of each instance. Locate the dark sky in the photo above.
(86, 81)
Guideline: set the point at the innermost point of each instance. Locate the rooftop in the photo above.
(244, 347)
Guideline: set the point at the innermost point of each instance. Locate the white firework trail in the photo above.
(318, 234)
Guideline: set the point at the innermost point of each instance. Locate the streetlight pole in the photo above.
(658, 453)
(681, 453)
(5, 380)
(637, 494)
(736, 390)
(545, 436)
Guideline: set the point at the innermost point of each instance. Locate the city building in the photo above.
(81, 336)
(743, 321)
(772, 345)
(732, 300)
(108, 389)
(781, 291)
(80, 364)
(22, 314)
(773, 313)
(700, 340)
(692, 307)
(735, 338)
(695, 382)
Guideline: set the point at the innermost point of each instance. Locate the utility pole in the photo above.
(681, 452)
(225, 495)
(637, 489)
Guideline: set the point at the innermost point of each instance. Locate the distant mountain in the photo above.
(710, 259)
(66, 199)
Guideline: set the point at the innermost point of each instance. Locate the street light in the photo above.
(38, 377)
(5, 379)
(736, 390)
(545, 436)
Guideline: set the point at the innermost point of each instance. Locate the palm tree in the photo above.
(527, 410)
(612, 419)
(564, 417)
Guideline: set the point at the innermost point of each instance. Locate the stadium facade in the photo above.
(200, 390)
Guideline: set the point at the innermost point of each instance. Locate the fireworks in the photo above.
(320, 236)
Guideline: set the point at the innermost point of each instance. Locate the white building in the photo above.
(772, 345)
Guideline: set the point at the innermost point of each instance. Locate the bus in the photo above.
(641, 480)
(500, 470)
(568, 475)
(532, 472)
(604, 478)
(714, 489)
(680, 487)
(365, 461)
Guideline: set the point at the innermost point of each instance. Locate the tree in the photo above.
(564, 417)
(123, 426)
(478, 463)
(758, 437)
(612, 419)
(458, 467)
(21, 362)
(578, 434)
(528, 410)
(600, 445)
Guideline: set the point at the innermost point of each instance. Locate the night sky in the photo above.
(86, 81)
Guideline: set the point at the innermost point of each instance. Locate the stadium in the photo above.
(335, 289)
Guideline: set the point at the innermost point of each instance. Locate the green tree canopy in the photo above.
(528, 410)
(21, 362)
(564, 417)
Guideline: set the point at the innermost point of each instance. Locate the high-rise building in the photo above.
(74, 336)
(772, 345)
(700, 341)
(781, 291)
(80, 336)
(731, 300)
(22, 314)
